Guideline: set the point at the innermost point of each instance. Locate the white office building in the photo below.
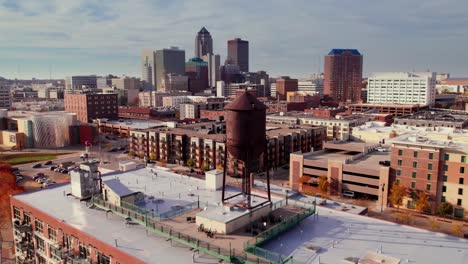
(402, 88)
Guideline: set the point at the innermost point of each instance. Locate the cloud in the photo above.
(286, 37)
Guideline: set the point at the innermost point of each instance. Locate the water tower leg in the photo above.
(224, 173)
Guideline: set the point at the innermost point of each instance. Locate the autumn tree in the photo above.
(423, 202)
(457, 229)
(445, 209)
(190, 163)
(8, 187)
(152, 156)
(205, 166)
(323, 184)
(397, 193)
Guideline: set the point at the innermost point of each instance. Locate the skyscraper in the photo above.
(197, 71)
(170, 60)
(148, 69)
(213, 69)
(343, 75)
(238, 53)
(203, 43)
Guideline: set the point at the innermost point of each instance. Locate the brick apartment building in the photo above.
(178, 145)
(89, 106)
(285, 85)
(432, 165)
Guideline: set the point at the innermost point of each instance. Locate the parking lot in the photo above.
(28, 174)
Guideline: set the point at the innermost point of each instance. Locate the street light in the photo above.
(381, 201)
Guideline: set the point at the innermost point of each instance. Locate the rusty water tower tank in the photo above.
(245, 127)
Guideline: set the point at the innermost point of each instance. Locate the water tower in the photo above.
(245, 141)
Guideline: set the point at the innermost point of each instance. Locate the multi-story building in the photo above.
(148, 69)
(238, 53)
(127, 88)
(435, 165)
(89, 106)
(352, 169)
(214, 62)
(203, 43)
(230, 73)
(192, 110)
(174, 83)
(145, 113)
(393, 109)
(337, 129)
(260, 78)
(343, 75)
(402, 88)
(197, 71)
(314, 85)
(5, 97)
(170, 60)
(178, 145)
(155, 99)
(81, 82)
(435, 118)
(285, 85)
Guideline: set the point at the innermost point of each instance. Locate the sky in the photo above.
(39, 38)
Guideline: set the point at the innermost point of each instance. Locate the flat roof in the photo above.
(421, 140)
(135, 124)
(167, 188)
(339, 235)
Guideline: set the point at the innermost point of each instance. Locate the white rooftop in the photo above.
(340, 235)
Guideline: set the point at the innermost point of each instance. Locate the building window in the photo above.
(444, 188)
(429, 166)
(16, 213)
(52, 233)
(463, 158)
(461, 181)
(400, 152)
(26, 218)
(429, 176)
(398, 172)
(460, 191)
(428, 187)
(400, 162)
(38, 225)
(40, 244)
(83, 251)
(415, 154)
(398, 181)
(415, 164)
(446, 156)
(102, 259)
(431, 156)
(413, 184)
(445, 167)
(445, 178)
(459, 202)
(442, 199)
(462, 169)
(414, 174)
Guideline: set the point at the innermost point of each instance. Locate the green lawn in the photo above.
(16, 159)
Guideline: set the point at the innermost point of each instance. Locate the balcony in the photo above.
(22, 226)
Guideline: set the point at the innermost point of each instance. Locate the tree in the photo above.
(323, 183)
(457, 229)
(219, 167)
(8, 187)
(445, 209)
(397, 193)
(422, 202)
(152, 156)
(190, 163)
(131, 153)
(205, 166)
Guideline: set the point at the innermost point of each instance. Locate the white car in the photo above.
(48, 183)
(380, 149)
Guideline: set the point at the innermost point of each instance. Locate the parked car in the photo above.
(64, 171)
(53, 168)
(286, 167)
(42, 180)
(38, 176)
(121, 148)
(48, 183)
(380, 149)
(72, 167)
(38, 165)
(48, 162)
(17, 172)
(125, 152)
(57, 169)
(19, 178)
(95, 161)
(84, 156)
(14, 169)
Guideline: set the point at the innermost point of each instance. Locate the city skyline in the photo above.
(50, 37)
